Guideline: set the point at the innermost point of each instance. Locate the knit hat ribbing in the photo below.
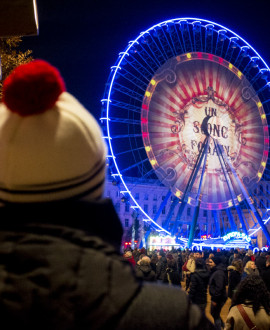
(54, 154)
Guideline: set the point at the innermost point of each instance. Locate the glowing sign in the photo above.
(162, 240)
(236, 234)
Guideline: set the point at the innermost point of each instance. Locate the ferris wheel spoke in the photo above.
(243, 53)
(128, 151)
(185, 32)
(155, 49)
(125, 121)
(171, 51)
(125, 106)
(158, 34)
(208, 45)
(143, 68)
(137, 82)
(127, 91)
(174, 38)
(220, 42)
(150, 58)
(124, 136)
(197, 36)
(135, 165)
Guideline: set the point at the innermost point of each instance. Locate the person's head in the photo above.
(252, 290)
(144, 261)
(199, 263)
(238, 264)
(198, 254)
(250, 265)
(236, 255)
(214, 261)
(51, 147)
(154, 258)
(169, 256)
(161, 254)
(142, 255)
(128, 255)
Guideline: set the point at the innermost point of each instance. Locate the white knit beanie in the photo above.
(51, 147)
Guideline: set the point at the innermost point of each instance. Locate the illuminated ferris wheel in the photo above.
(186, 106)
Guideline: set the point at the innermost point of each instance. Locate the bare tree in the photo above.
(11, 57)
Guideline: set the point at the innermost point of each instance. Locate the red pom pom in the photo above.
(32, 88)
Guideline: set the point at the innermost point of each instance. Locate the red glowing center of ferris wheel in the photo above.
(199, 94)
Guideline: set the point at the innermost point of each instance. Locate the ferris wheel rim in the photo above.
(117, 67)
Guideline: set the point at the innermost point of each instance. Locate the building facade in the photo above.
(150, 195)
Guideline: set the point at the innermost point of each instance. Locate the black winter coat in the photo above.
(261, 263)
(217, 284)
(61, 269)
(172, 277)
(145, 273)
(234, 280)
(198, 286)
(266, 277)
(161, 268)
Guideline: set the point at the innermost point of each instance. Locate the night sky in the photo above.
(83, 37)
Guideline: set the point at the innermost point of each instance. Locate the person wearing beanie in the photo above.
(60, 260)
(217, 289)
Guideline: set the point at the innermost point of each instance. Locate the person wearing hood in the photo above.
(235, 271)
(172, 276)
(144, 270)
(217, 289)
(198, 284)
(161, 266)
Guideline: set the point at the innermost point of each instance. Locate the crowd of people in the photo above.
(239, 275)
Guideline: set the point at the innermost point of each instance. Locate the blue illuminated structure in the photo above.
(127, 92)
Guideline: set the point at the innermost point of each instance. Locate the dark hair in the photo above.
(252, 291)
(238, 264)
(200, 263)
(154, 258)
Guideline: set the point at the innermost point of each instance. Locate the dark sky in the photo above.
(83, 37)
